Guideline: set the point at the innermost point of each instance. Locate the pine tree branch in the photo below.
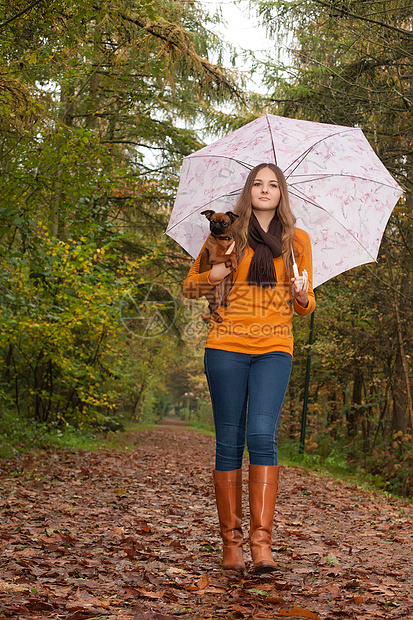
(22, 12)
(345, 12)
(175, 42)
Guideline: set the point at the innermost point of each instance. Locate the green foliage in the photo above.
(393, 462)
(22, 435)
(59, 327)
(332, 459)
(98, 106)
(388, 467)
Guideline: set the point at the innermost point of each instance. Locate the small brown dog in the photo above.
(214, 253)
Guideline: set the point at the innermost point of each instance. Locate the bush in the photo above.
(21, 435)
(60, 331)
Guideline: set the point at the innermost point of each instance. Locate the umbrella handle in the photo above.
(305, 279)
(295, 268)
(297, 273)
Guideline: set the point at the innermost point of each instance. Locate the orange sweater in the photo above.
(257, 320)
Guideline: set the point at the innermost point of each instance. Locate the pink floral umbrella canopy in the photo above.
(340, 192)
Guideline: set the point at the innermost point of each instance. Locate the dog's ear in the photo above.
(232, 216)
(208, 214)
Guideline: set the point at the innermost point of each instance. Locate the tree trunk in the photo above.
(402, 394)
(333, 411)
(399, 418)
(355, 411)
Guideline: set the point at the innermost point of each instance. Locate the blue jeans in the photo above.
(239, 382)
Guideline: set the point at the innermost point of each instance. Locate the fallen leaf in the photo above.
(297, 612)
(330, 542)
(201, 584)
(86, 602)
(358, 600)
(281, 585)
(150, 594)
(276, 600)
(37, 604)
(241, 610)
(120, 531)
(176, 571)
(301, 535)
(334, 590)
(142, 527)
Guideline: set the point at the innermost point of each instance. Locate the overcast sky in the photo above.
(241, 29)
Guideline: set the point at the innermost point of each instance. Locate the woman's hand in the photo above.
(300, 290)
(219, 272)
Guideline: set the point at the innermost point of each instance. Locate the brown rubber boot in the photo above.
(228, 493)
(263, 486)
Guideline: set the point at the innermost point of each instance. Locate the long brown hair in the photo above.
(244, 209)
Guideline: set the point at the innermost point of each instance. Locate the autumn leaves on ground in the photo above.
(132, 534)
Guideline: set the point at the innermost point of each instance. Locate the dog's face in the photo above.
(220, 223)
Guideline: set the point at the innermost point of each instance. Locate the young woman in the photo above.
(248, 356)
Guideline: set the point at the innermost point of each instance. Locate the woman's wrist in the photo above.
(218, 273)
(302, 299)
(300, 290)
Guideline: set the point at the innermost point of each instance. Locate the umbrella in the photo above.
(340, 192)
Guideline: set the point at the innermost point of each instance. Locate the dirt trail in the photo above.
(133, 535)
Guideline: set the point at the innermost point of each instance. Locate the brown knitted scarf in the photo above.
(266, 246)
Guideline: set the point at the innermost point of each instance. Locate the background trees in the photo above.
(350, 63)
(99, 105)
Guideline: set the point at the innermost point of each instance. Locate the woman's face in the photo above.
(265, 192)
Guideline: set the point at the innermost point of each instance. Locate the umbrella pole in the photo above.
(306, 386)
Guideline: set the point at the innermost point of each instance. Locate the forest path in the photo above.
(132, 534)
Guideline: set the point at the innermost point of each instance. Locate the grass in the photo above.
(124, 440)
(203, 427)
(18, 435)
(334, 463)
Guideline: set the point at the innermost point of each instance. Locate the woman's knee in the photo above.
(262, 436)
(262, 443)
(262, 449)
(228, 456)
